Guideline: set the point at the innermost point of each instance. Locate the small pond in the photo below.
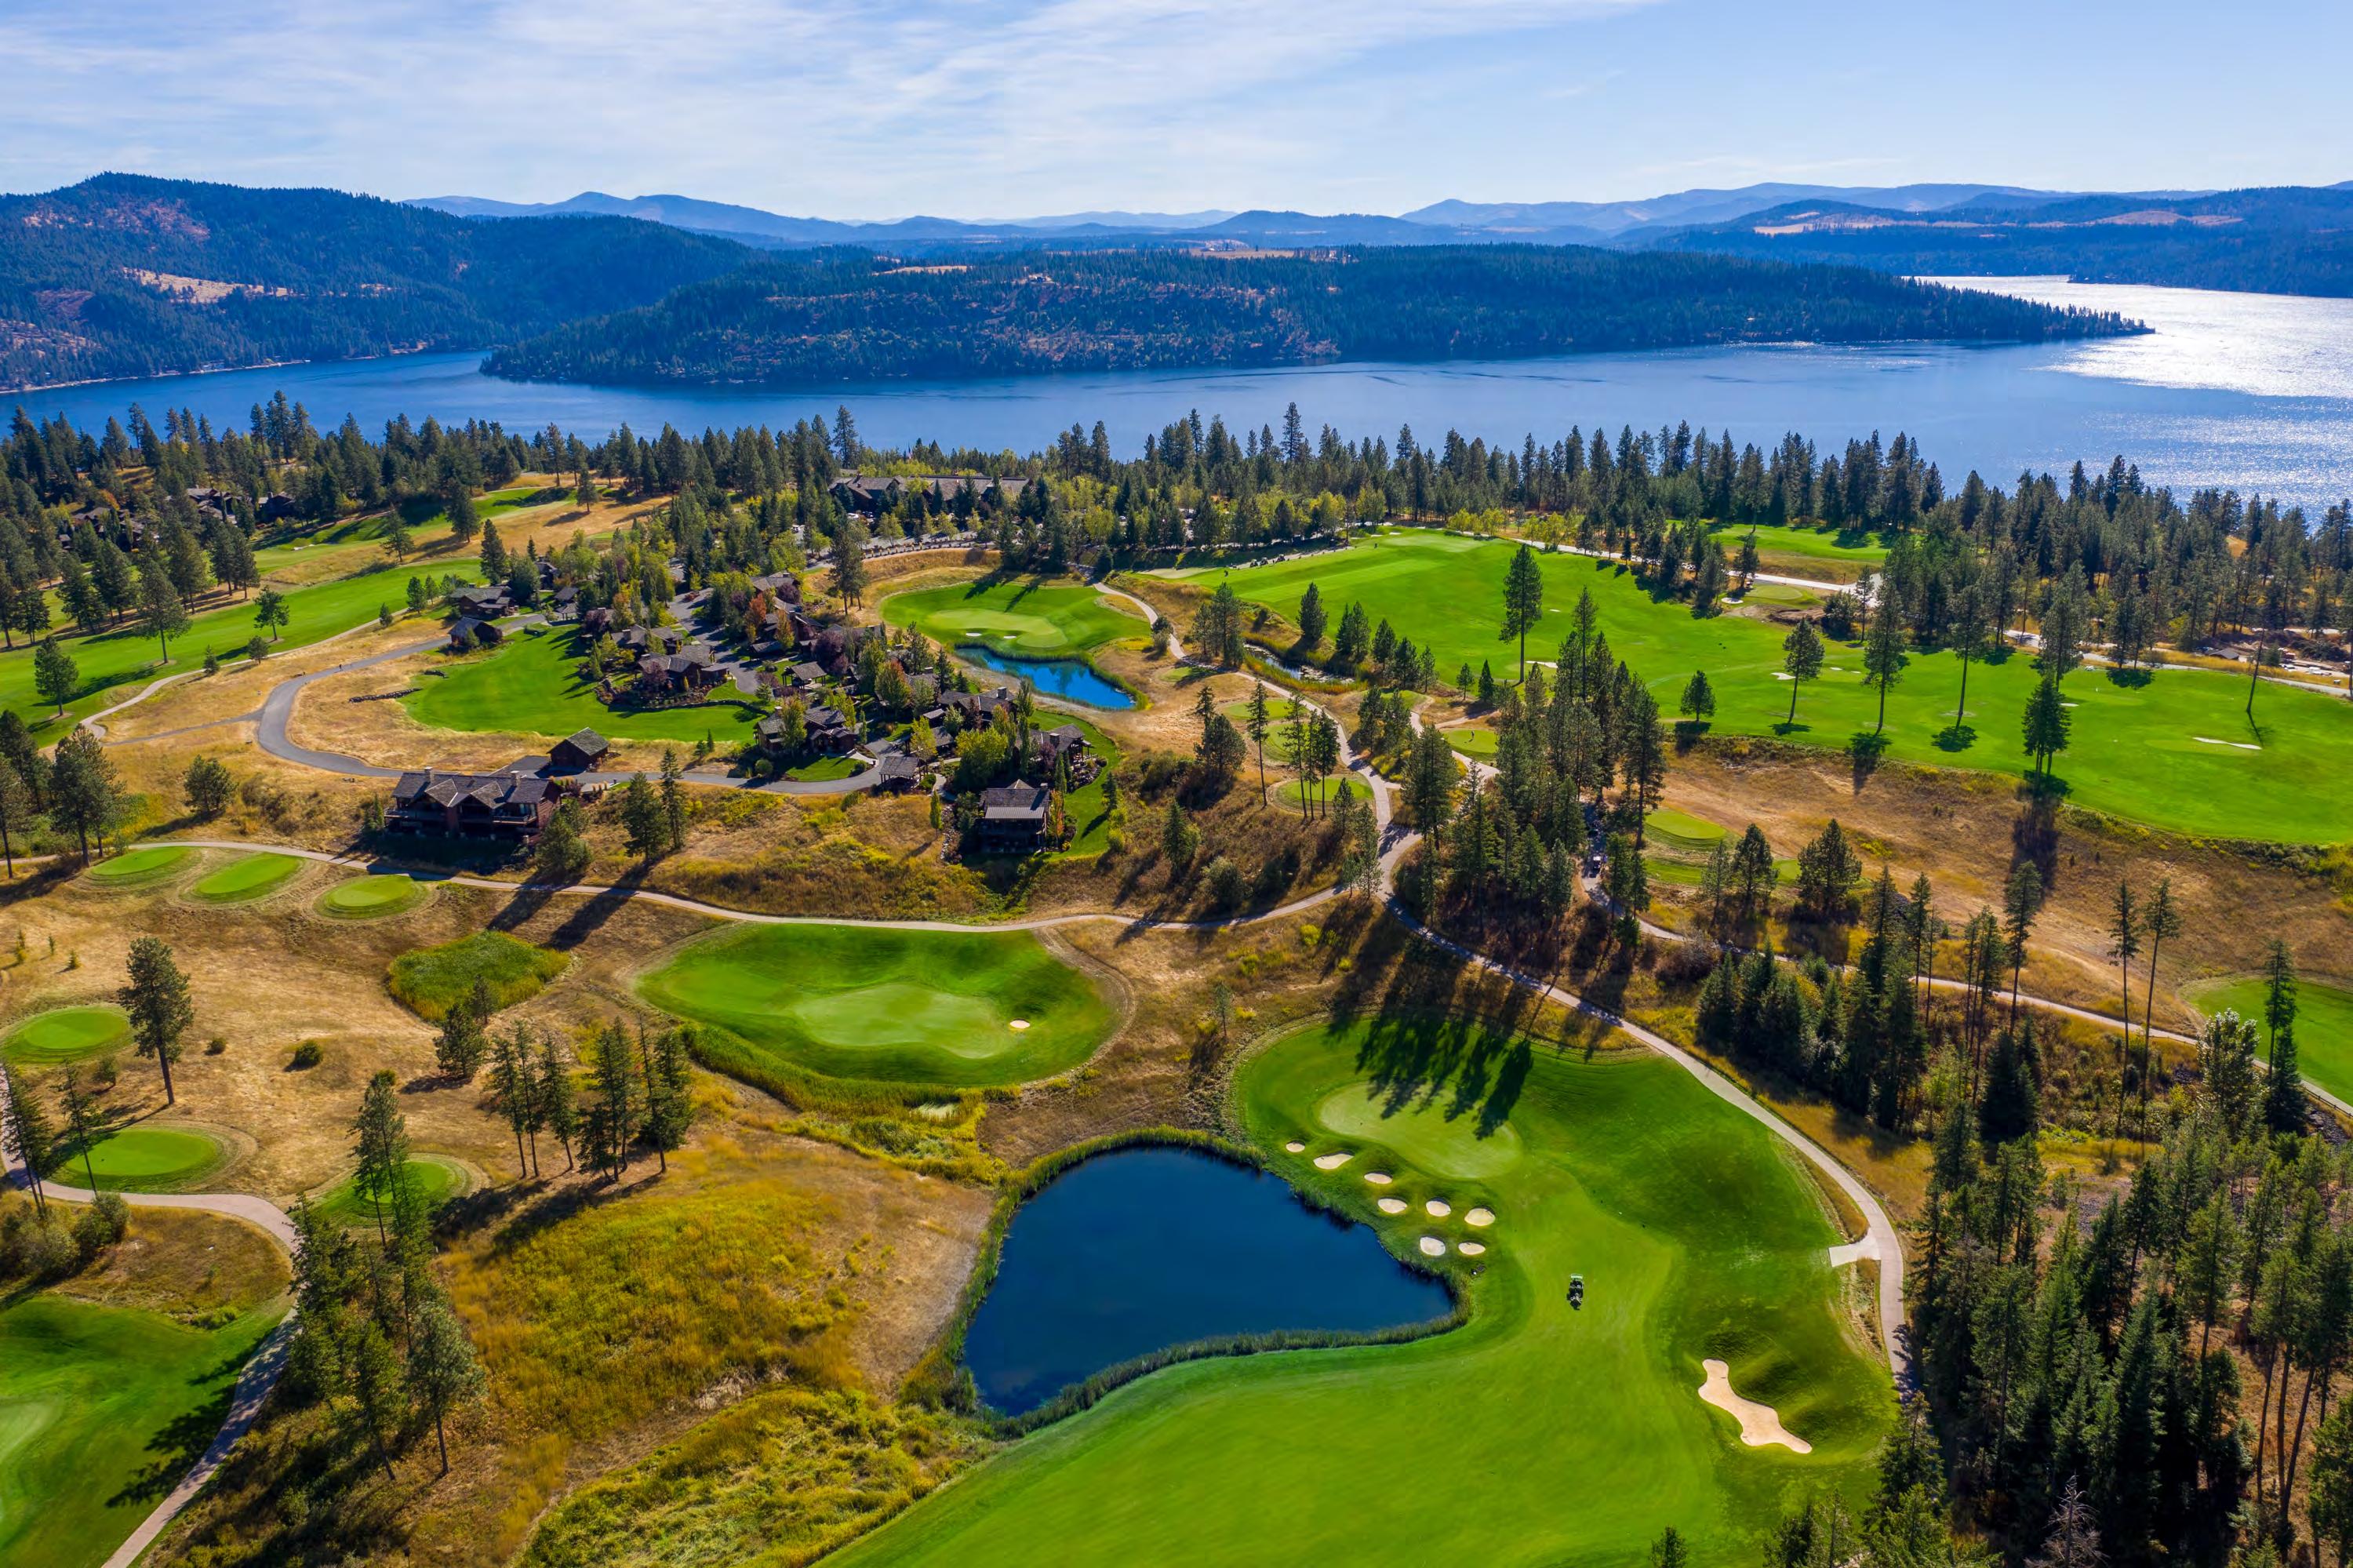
(1074, 679)
(1143, 1248)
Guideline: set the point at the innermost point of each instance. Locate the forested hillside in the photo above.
(843, 315)
(122, 275)
(2292, 240)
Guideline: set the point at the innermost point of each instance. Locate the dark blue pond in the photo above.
(1073, 679)
(1137, 1250)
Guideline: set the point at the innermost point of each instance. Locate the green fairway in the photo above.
(135, 868)
(66, 1034)
(1851, 552)
(366, 897)
(146, 1159)
(247, 877)
(430, 1177)
(101, 1410)
(114, 664)
(1019, 616)
(2324, 1025)
(2176, 751)
(901, 1007)
(530, 685)
(1534, 1435)
(430, 981)
(824, 770)
(1327, 795)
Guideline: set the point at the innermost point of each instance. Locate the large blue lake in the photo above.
(1143, 1248)
(2254, 391)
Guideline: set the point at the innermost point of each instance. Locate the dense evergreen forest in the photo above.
(846, 315)
(122, 275)
(2294, 241)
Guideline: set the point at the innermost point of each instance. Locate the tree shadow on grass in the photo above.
(1956, 737)
(2133, 677)
(1789, 727)
(183, 1440)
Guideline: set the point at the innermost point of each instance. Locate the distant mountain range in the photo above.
(2283, 240)
(124, 275)
(1445, 222)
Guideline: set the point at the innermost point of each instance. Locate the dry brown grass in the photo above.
(612, 1319)
(185, 1264)
(268, 975)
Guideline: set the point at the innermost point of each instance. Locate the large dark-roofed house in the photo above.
(512, 806)
(1013, 816)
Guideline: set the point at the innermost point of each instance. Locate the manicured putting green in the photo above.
(430, 981)
(1474, 740)
(366, 897)
(2324, 1025)
(1435, 1136)
(922, 1007)
(138, 866)
(1682, 829)
(1280, 713)
(1019, 616)
(531, 684)
(249, 876)
(147, 1159)
(66, 1034)
(2176, 751)
(431, 1177)
(1535, 1433)
(101, 1409)
(1291, 790)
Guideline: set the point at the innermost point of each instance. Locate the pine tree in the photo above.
(1801, 661)
(382, 1136)
(642, 819)
(2044, 727)
(673, 801)
(156, 998)
(55, 676)
(443, 1370)
(1312, 618)
(1883, 651)
(1698, 701)
(2008, 1109)
(554, 1101)
(84, 795)
(1522, 601)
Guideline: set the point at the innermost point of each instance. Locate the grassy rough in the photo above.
(2176, 751)
(430, 981)
(900, 1008)
(774, 1482)
(1532, 1434)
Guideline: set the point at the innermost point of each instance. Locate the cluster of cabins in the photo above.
(510, 805)
(874, 495)
(128, 530)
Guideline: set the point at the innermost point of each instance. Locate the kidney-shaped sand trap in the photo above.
(1758, 1423)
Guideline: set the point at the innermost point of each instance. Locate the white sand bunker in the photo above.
(1438, 1208)
(1392, 1205)
(1759, 1423)
(2234, 745)
(1480, 1218)
(1017, 1025)
(1432, 1247)
(1294, 1146)
(1471, 1249)
(1333, 1161)
(1379, 1178)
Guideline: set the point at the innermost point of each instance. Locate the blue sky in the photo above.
(1006, 108)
